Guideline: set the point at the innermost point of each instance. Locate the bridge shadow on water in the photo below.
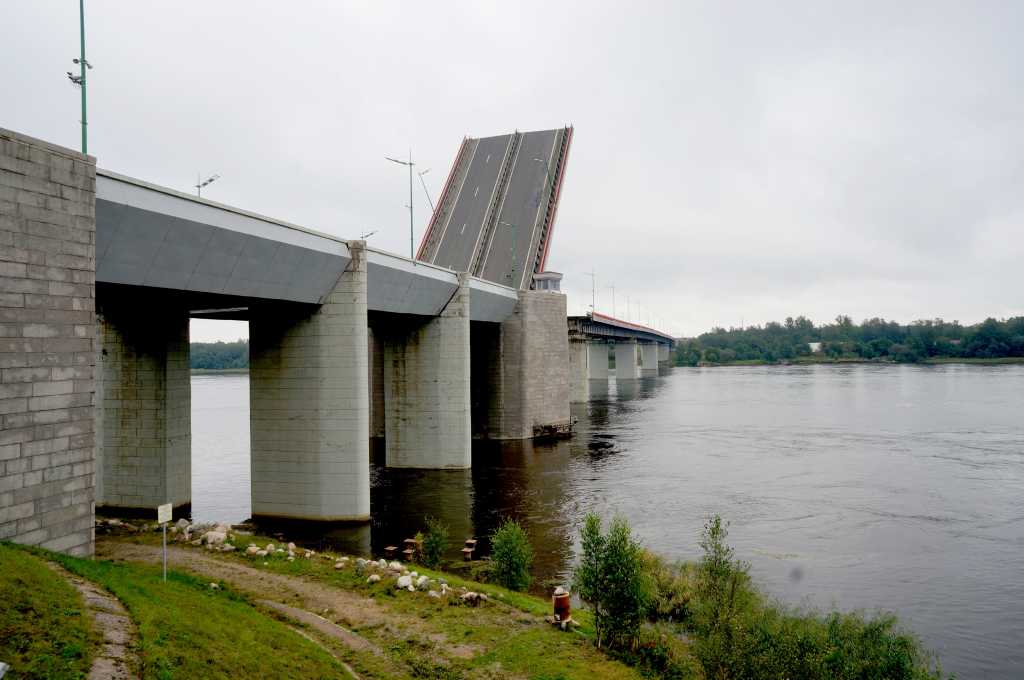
(539, 483)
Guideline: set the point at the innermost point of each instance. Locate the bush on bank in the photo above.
(512, 556)
(709, 620)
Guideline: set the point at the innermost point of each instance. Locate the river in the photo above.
(862, 486)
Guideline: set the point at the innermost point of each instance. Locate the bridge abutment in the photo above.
(309, 404)
(426, 376)
(144, 436)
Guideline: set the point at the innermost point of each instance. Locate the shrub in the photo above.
(512, 556)
(738, 634)
(672, 589)
(612, 580)
(435, 542)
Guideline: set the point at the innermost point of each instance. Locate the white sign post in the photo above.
(163, 516)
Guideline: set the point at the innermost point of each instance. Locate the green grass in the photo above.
(507, 635)
(189, 630)
(44, 632)
(974, 360)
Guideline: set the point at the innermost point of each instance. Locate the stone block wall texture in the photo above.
(529, 370)
(427, 388)
(309, 406)
(47, 344)
(144, 435)
(579, 371)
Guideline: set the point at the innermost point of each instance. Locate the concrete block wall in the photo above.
(309, 404)
(529, 376)
(579, 371)
(47, 344)
(427, 388)
(144, 452)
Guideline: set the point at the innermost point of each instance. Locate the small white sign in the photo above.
(163, 513)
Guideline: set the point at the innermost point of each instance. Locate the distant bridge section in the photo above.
(497, 210)
(640, 352)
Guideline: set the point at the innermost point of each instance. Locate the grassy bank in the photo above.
(44, 631)
(420, 635)
(187, 628)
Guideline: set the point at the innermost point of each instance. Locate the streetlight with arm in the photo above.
(408, 163)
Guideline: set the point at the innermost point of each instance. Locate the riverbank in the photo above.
(814, 360)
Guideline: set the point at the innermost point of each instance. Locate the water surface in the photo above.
(871, 487)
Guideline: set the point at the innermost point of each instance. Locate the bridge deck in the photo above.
(495, 215)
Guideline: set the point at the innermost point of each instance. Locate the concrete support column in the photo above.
(597, 360)
(663, 353)
(309, 404)
(626, 365)
(579, 372)
(427, 388)
(529, 386)
(649, 360)
(376, 358)
(144, 442)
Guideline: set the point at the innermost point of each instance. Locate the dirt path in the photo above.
(116, 659)
(343, 607)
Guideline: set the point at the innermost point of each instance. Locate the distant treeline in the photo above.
(873, 339)
(220, 355)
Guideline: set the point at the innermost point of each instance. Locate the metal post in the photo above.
(81, 65)
(165, 550)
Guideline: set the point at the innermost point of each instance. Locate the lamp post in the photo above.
(424, 183)
(79, 80)
(408, 163)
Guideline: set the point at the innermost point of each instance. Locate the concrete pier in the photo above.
(579, 371)
(427, 387)
(626, 365)
(597, 360)
(309, 406)
(528, 380)
(648, 360)
(144, 452)
(48, 344)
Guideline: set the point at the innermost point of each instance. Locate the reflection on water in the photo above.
(875, 487)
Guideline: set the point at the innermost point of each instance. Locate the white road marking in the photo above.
(488, 159)
(463, 229)
(476, 191)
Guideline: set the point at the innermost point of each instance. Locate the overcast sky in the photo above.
(732, 162)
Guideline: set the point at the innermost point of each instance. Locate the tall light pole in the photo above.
(593, 290)
(200, 182)
(410, 164)
(79, 80)
(613, 299)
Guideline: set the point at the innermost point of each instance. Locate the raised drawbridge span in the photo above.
(496, 213)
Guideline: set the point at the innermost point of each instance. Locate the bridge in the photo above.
(497, 210)
(99, 276)
(639, 351)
